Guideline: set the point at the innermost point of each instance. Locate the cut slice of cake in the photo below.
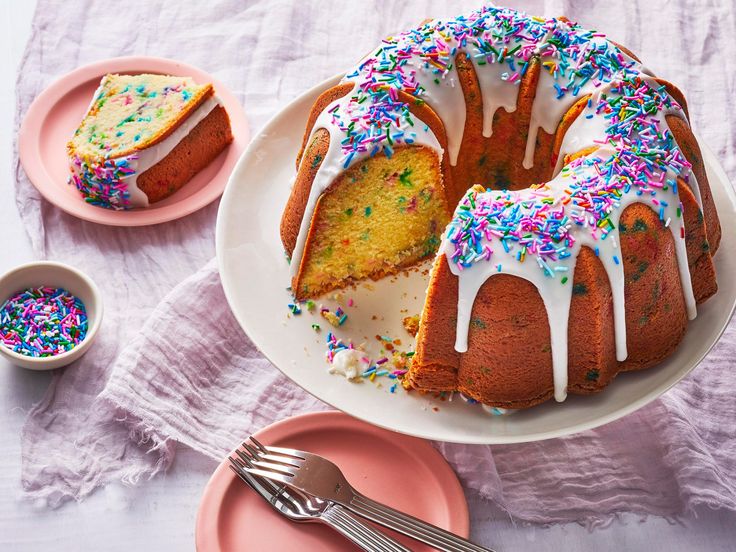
(144, 137)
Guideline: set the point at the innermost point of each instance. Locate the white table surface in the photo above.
(159, 514)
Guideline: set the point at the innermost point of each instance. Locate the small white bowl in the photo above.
(56, 275)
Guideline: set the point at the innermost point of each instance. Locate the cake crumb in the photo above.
(411, 324)
(336, 318)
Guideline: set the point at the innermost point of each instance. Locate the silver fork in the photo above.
(299, 507)
(319, 477)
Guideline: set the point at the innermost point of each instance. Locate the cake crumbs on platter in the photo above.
(337, 318)
(356, 365)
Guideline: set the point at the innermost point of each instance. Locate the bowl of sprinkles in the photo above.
(49, 315)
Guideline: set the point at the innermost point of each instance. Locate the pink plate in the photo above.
(401, 471)
(56, 113)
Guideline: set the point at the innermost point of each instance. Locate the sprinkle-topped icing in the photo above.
(618, 151)
(104, 183)
(420, 62)
(42, 322)
(419, 66)
(540, 222)
(133, 122)
(537, 233)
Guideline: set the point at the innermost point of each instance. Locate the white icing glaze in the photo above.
(448, 101)
(557, 297)
(556, 300)
(444, 95)
(333, 165)
(150, 156)
(496, 91)
(548, 110)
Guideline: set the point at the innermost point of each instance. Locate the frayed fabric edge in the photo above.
(140, 435)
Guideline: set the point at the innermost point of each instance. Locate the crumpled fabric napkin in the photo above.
(172, 365)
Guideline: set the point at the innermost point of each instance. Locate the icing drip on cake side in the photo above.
(334, 164)
(113, 182)
(497, 232)
(537, 233)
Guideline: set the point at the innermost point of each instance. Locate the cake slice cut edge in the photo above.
(160, 129)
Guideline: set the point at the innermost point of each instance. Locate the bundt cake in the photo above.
(144, 137)
(588, 243)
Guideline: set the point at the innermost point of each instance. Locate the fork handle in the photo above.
(411, 526)
(359, 532)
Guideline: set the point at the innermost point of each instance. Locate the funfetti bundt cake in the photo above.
(144, 137)
(588, 243)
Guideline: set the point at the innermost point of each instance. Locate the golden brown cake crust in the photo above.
(197, 150)
(508, 363)
(509, 359)
(314, 153)
(322, 101)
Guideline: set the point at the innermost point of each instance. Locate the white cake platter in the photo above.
(255, 275)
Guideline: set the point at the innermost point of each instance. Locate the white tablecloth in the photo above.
(160, 514)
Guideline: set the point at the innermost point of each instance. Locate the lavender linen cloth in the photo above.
(172, 366)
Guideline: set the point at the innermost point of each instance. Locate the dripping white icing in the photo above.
(556, 300)
(496, 90)
(448, 101)
(548, 110)
(557, 297)
(333, 165)
(443, 94)
(150, 156)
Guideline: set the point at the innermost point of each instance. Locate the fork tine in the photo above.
(255, 453)
(268, 484)
(238, 467)
(278, 468)
(250, 450)
(273, 476)
(282, 460)
(293, 453)
(247, 460)
(257, 443)
(238, 473)
(235, 462)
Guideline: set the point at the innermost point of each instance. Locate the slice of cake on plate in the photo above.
(144, 137)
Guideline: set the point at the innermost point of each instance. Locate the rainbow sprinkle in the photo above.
(103, 184)
(537, 222)
(337, 318)
(42, 322)
(376, 116)
(394, 368)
